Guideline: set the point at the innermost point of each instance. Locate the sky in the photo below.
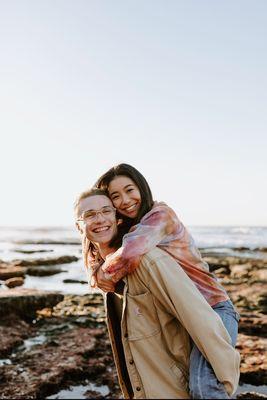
(176, 88)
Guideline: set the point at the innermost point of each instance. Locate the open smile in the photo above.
(131, 208)
(101, 229)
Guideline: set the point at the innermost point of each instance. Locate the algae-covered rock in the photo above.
(45, 261)
(25, 302)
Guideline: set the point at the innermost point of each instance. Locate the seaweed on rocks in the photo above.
(76, 350)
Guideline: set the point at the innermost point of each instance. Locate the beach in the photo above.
(54, 341)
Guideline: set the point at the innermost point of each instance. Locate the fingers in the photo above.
(108, 290)
(106, 286)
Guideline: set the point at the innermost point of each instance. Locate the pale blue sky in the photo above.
(176, 88)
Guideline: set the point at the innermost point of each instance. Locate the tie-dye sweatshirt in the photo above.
(161, 227)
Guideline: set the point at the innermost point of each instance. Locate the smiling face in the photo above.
(125, 196)
(103, 227)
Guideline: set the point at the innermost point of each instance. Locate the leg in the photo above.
(203, 383)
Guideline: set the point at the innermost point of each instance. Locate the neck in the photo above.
(104, 250)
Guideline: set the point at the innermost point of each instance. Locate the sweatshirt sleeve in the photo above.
(156, 226)
(174, 289)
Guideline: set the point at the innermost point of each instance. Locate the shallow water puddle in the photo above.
(79, 392)
(29, 343)
(5, 361)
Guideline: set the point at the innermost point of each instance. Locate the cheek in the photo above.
(114, 224)
(137, 196)
(116, 203)
(88, 232)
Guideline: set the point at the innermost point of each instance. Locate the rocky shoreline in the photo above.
(52, 342)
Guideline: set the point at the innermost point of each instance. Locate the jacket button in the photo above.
(138, 388)
(126, 335)
(131, 362)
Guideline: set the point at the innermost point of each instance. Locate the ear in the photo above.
(119, 221)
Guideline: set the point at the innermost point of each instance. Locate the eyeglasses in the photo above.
(91, 215)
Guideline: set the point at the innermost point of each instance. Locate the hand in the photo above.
(103, 283)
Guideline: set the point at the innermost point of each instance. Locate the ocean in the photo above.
(51, 242)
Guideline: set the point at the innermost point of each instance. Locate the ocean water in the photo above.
(51, 242)
(252, 237)
(205, 236)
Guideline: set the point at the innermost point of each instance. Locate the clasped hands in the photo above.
(103, 283)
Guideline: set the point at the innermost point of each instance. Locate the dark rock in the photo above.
(13, 331)
(74, 281)
(253, 368)
(251, 395)
(43, 271)
(53, 242)
(72, 354)
(32, 251)
(25, 302)
(253, 325)
(245, 297)
(262, 302)
(8, 271)
(222, 271)
(13, 282)
(45, 261)
(215, 263)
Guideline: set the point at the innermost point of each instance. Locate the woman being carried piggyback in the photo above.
(151, 224)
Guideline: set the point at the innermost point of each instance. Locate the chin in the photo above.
(132, 216)
(103, 239)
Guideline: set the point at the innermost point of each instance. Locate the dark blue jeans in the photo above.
(203, 383)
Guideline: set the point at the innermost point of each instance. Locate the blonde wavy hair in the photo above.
(89, 251)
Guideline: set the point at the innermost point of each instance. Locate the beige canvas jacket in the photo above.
(150, 341)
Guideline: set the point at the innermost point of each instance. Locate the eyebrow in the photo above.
(125, 187)
(93, 209)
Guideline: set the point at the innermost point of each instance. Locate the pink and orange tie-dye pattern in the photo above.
(161, 227)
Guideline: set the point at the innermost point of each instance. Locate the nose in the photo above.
(125, 199)
(99, 217)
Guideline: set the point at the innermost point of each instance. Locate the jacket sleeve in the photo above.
(156, 226)
(171, 286)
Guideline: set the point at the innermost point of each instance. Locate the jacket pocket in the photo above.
(181, 375)
(142, 318)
